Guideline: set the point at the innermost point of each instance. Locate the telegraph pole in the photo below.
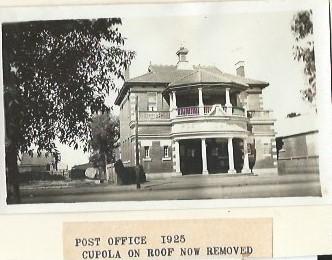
(138, 184)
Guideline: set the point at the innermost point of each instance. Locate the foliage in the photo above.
(105, 132)
(27, 177)
(57, 74)
(302, 28)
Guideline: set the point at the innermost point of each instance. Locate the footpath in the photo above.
(75, 187)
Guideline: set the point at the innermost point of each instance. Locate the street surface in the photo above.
(176, 188)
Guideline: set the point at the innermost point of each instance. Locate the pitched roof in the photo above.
(297, 125)
(83, 166)
(172, 76)
(36, 160)
(160, 74)
(202, 75)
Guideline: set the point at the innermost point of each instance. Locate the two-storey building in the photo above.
(196, 120)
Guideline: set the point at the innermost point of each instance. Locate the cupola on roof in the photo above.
(183, 63)
(182, 51)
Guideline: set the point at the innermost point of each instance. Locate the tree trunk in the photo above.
(12, 177)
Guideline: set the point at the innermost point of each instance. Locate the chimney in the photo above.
(239, 66)
(182, 64)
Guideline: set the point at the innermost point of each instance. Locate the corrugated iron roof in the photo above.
(305, 123)
(202, 75)
(171, 76)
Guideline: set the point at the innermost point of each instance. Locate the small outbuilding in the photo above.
(297, 149)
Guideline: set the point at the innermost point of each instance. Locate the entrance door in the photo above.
(191, 156)
(217, 153)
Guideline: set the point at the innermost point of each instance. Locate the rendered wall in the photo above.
(299, 154)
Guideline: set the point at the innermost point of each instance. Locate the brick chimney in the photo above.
(182, 63)
(239, 66)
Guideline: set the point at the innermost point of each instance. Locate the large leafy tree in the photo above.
(56, 75)
(105, 132)
(302, 28)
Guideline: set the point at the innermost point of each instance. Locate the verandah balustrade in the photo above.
(185, 111)
(194, 110)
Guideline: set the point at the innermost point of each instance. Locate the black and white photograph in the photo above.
(165, 129)
(217, 105)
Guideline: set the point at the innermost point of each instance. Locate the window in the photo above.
(147, 151)
(166, 155)
(152, 101)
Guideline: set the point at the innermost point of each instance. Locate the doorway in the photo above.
(191, 156)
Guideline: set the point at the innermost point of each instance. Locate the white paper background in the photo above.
(298, 230)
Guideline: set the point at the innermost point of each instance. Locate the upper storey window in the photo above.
(152, 101)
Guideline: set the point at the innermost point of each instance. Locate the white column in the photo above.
(174, 106)
(170, 102)
(245, 107)
(245, 104)
(228, 103)
(230, 156)
(245, 168)
(174, 99)
(170, 105)
(177, 158)
(204, 159)
(200, 101)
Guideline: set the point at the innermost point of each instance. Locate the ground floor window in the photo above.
(166, 154)
(147, 151)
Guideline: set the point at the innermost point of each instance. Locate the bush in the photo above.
(127, 175)
(39, 176)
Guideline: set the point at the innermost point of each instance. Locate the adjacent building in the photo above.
(42, 163)
(297, 145)
(196, 120)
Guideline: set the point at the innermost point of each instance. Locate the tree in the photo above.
(302, 28)
(57, 74)
(105, 132)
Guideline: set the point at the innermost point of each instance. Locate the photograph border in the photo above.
(322, 46)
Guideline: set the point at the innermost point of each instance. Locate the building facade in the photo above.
(297, 146)
(35, 163)
(41, 163)
(196, 120)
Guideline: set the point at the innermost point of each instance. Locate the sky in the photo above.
(263, 40)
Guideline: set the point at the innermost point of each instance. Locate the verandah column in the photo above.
(245, 168)
(170, 105)
(174, 104)
(204, 159)
(170, 102)
(228, 103)
(200, 101)
(230, 156)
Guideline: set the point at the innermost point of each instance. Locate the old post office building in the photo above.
(196, 120)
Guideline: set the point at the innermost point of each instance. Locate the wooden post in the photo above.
(138, 184)
(105, 176)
